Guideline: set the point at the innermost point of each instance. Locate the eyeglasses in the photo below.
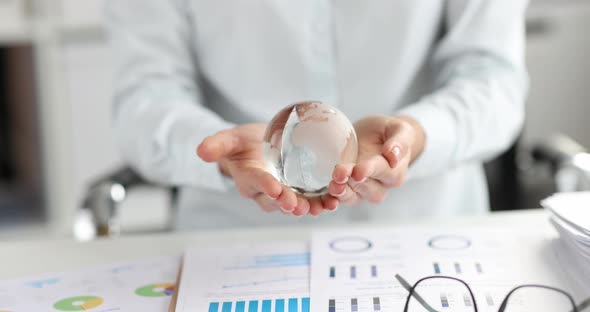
(445, 293)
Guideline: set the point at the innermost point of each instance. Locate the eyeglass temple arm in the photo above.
(414, 293)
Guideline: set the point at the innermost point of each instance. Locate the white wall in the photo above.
(559, 66)
(88, 86)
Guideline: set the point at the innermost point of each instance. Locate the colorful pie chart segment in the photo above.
(80, 303)
(156, 290)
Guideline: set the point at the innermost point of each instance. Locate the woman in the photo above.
(434, 87)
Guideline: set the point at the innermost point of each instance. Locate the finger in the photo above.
(252, 181)
(374, 166)
(396, 177)
(266, 203)
(221, 144)
(392, 152)
(329, 202)
(371, 190)
(335, 189)
(315, 206)
(398, 138)
(265, 183)
(349, 196)
(287, 200)
(302, 206)
(343, 193)
(341, 173)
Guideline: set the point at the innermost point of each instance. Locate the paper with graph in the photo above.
(271, 277)
(354, 271)
(145, 285)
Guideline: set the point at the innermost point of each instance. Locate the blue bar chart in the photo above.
(226, 307)
(265, 305)
(270, 277)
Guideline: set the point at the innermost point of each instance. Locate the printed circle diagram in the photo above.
(350, 244)
(449, 242)
(156, 290)
(79, 303)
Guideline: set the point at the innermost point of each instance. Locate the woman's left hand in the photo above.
(387, 147)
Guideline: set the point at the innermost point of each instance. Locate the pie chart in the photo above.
(80, 303)
(156, 290)
(449, 242)
(350, 244)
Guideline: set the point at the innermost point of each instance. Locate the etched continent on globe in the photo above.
(304, 142)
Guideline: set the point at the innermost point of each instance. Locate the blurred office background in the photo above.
(55, 106)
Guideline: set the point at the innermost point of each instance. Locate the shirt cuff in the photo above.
(440, 138)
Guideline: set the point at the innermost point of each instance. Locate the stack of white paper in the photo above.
(570, 214)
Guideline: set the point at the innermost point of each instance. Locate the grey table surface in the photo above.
(26, 258)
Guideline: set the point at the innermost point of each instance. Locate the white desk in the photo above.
(31, 257)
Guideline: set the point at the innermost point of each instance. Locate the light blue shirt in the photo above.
(189, 68)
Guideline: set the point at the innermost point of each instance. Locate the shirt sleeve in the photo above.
(481, 82)
(158, 116)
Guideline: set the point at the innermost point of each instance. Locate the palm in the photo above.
(385, 150)
(238, 152)
(370, 133)
(250, 155)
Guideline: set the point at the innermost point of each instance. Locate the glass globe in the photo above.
(304, 142)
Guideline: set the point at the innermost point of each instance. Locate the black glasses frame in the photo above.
(502, 308)
(569, 297)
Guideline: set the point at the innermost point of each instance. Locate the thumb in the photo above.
(398, 138)
(219, 145)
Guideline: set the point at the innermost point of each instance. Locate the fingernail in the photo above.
(298, 214)
(286, 210)
(273, 198)
(342, 182)
(341, 193)
(397, 151)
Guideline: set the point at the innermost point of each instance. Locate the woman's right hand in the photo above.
(238, 152)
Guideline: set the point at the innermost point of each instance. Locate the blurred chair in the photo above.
(99, 212)
(566, 161)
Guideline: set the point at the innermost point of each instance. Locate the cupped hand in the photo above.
(387, 147)
(238, 152)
